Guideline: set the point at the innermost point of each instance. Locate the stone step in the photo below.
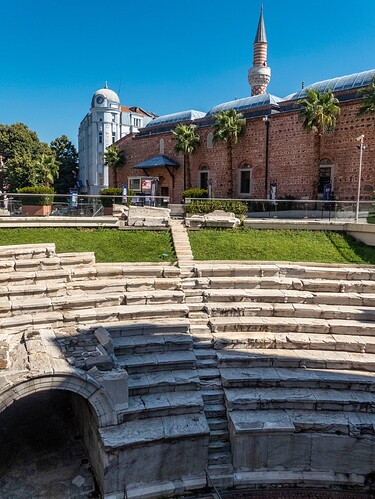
(217, 424)
(137, 432)
(278, 377)
(156, 296)
(27, 251)
(202, 344)
(291, 421)
(219, 435)
(126, 345)
(282, 283)
(208, 373)
(218, 470)
(158, 326)
(216, 458)
(287, 296)
(206, 363)
(218, 446)
(163, 381)
(213, 396)
(99, 316)
(163, 404)
(203, 354)
(293, 341)
(97, 285)
(215, 411)
(315, 359)
(301, 271)
(293, 325)
(306, 399)
(137, 270)
(151, 362)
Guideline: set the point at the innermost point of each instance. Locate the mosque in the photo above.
(274, 152)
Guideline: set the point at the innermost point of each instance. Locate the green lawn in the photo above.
(282, 245)
(109, 245)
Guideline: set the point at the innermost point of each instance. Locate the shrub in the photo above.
(37, 200)
(195, 193)
(371, 213)
(112, 193)
(239, 208)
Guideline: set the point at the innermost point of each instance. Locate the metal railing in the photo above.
(300, 209)
(13, 204)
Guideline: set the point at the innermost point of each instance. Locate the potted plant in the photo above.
(37, 206)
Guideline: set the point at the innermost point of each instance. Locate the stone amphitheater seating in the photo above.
(258, 374)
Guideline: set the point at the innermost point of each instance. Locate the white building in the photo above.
(106, 122)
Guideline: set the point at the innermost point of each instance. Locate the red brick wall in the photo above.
(292, 157)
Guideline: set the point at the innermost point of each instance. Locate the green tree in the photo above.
(114, 159)
(318, 112)
(187, 141)
(46, 170)
(228, 127)
(67, 158)
(21, 150)
(368, 93)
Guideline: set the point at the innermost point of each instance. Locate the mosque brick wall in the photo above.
(292, 157)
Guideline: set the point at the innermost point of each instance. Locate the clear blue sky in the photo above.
(167, 55)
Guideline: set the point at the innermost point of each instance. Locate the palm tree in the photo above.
(113, 159)
(368, 106)
(228, 127)
(187, 140)
(47, 170)
(319, 113)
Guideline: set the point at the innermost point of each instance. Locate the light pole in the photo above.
(361, 147)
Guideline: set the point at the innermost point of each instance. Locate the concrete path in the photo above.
(181, 244)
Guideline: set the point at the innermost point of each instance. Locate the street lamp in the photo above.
(361, 148)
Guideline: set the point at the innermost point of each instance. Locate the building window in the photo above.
(100, 179)
(203, 179)
(135, 183)
(245, 181)
(137, 122)
(113, 137)
(113, 118)
(100, 137)
(210, 140)
(161, 146)
(325, 179)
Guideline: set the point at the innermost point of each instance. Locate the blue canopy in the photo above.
(156, 161)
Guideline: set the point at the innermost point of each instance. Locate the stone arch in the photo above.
(85, 386)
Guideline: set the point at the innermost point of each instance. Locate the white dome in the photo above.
(104, 95)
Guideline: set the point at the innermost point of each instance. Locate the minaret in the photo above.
(260, 73)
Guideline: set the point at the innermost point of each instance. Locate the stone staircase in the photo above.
(295, 352)
(257, 370)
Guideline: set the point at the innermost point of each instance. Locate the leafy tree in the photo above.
(187, 140)
(228, 126)
(368, 106)
(67, 159)
(319, 113)
(114, 159)
(21, 150)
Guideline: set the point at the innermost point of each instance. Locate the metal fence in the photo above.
(13, 204)
(300, 209)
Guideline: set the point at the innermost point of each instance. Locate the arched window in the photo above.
(161, 146)
(210, 140)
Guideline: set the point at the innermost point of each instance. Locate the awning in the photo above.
(156, 161)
